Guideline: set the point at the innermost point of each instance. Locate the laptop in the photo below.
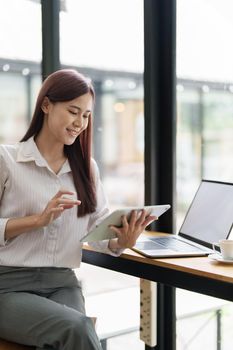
(208, 219)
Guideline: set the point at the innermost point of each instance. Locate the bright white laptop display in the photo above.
(209, 218)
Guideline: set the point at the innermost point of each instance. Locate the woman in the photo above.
(50, 197)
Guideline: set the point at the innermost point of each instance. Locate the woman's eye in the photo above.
(74, 113)
(85, 116)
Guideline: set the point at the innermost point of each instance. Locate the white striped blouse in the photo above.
(26, 185)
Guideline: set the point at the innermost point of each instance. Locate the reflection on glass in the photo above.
(13, 107)
(103, 34)
(204, 143)
(20, 54)
(205, 30)
(104, 39)
(218, 135)
(204, 138)
(123, 146)
(20, 30)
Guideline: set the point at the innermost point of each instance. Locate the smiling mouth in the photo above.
(72, 132)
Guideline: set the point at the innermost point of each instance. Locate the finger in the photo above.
(124, 221)
(116, 230)
(142, 217)
(62, 192)
(68, 201)
(149, 220)
(133, 218)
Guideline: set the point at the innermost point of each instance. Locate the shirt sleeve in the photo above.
(3, 178)
(101, 212)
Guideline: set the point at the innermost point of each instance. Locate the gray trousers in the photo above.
(44, 307)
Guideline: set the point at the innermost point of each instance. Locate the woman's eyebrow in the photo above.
(72, 106)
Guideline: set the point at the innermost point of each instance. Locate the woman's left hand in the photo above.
(131, 229)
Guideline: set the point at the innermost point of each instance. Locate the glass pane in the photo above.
(20, 30)
(122, 134)
(20, 54)
(103, 34)
(204, 31)
(218, 135)
(104, 39)
(204, 142)
(13, 102)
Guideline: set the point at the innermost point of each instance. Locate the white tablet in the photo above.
(102, 231)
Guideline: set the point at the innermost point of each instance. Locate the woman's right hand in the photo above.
(56, 206)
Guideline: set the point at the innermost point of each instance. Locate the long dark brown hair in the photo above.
(66, 85)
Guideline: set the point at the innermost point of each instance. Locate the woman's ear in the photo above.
(45, 105)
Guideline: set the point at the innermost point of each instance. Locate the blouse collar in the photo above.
(28, 152)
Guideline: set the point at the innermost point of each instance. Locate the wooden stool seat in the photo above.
(7, 345)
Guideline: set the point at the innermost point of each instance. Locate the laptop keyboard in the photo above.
(148, 246)
(175, 244)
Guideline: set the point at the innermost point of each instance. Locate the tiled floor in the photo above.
(114, 299)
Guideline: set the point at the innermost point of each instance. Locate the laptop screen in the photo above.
(210, 216)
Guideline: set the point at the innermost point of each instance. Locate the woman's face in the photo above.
(65, 121)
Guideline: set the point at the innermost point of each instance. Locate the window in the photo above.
(204, 141)
(104, 39)
(20, 54)
(20, 30)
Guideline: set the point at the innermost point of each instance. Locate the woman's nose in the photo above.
(78, 122)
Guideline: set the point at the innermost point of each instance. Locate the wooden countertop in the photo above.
(199, 266)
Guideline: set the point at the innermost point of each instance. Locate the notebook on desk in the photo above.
(208, 219)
